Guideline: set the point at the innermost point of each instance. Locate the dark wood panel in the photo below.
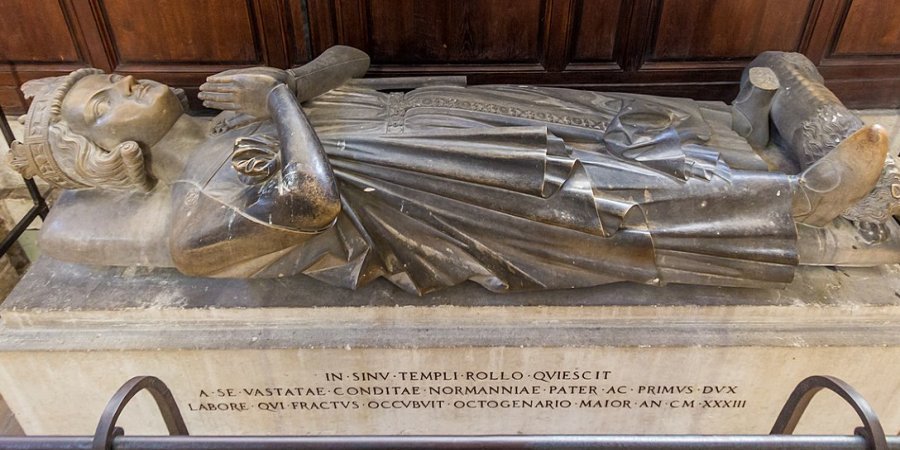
(454, 31)
(40, 38)
(273, 25)
(298, 35)
(698, 29)
(863, 93)
(823, 17)
(871, 27)
(856, 54)
(177, 31)
(35, 31)
(595, 30)
(13, 75)
(322, 25)
(11, 100)
(559, 24)
(694, 48)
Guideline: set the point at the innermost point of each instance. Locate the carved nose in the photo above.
(126, 84)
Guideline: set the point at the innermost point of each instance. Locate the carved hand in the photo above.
(243, 90)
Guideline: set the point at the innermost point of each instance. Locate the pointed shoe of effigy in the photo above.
(842, 177)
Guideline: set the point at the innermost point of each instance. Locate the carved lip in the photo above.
(140, 89)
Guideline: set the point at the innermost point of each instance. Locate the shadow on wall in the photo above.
(8, 424)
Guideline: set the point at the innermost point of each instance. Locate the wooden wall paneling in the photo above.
(693, 48)
(860, 60)
(160, 32)
(322, 25)
(599, 35)
(351, 23)
(42, 33)
(479, 38)
(273, 27)
(41, 38)
(638, 20)
(880, 21)
(710, 29)
(698, 48)
(809, 26)
(298, 34)
(454, 31)
(597, 23)
(822, 17)
(11, 100)
(560, 18)
(636, 72)
(98, 46)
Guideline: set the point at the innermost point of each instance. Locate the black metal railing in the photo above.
(870, 436)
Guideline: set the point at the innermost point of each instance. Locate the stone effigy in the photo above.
(513, 187)
(429, 183)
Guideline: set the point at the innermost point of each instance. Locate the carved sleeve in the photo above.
(302, 195)
(328, 71)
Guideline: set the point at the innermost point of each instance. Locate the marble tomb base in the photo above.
(294, 356)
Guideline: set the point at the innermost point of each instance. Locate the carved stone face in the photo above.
(111, 109)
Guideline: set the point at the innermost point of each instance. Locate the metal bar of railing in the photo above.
(110, 437)
(5, 128)
(40, 207)
(20, 228)
(620, 442)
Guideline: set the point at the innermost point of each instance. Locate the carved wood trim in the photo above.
(654, 24)
(836, 30)
(101, 32)
(267, 31)
(821, 30)
(854, 78)
(99, 49)
(322, 26)
(14, 73)
(290, 32)
(352, 23)
(298, 32)
(645, 17)
(838, 27)
(558, 33)
(592, 67)
(456, 69)
(272, 17)
(809, 28)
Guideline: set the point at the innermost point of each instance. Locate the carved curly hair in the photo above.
(122, 168)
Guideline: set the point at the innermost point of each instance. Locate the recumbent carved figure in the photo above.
(314, 171)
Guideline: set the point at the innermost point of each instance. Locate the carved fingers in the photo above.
(243, 90)
(222, 96)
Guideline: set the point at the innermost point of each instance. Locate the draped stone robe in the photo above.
(511, 187)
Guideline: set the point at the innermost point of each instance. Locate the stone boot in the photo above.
(840, 178)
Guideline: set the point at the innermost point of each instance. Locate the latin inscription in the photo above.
(465, 390)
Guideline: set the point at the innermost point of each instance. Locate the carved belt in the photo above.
(399, 104)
